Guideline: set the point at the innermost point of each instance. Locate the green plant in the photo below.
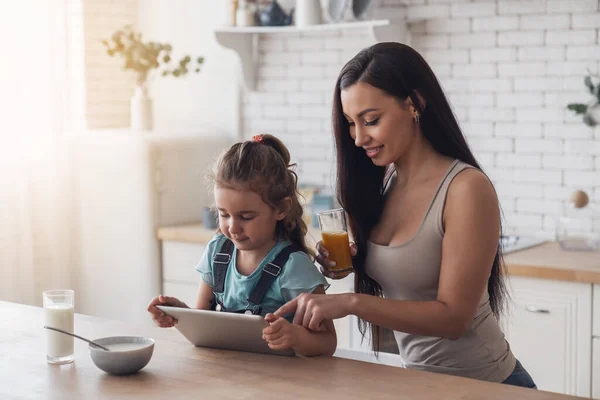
(143, 57)
(580, 108)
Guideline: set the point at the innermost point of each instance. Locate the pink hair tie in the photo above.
(257, 138)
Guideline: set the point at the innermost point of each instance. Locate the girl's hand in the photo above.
(312, 309)
(160, 318)
(327, 264)
(280, 334)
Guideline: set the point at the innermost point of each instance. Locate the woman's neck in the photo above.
(418, 162)
(248, 260)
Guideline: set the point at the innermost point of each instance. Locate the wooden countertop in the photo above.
(179, 370)
(191, 233)
(547, 261)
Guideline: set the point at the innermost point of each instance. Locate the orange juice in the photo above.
(338, 246)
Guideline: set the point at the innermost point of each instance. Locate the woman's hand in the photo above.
(280, 334)
(311, 310)
(160, 318)
(327, 264)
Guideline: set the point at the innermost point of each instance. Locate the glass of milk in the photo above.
(59, 313)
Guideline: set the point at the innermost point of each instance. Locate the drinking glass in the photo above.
(59, 312)
(334, 232)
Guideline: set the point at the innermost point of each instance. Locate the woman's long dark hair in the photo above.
(401, 72)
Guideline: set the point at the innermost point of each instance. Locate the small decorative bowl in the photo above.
(128, 354)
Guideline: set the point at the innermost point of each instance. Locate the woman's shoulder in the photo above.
(469, 182)
(471, 189)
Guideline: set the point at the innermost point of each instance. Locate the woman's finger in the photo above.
(334, 275)
(321, 249)
(353, 249)
(327, 273)
(299, 315)
(316, 323)
(325, 262)
(288, 308)
(307, 316)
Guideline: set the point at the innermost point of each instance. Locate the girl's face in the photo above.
(379, 124)
(246, 219)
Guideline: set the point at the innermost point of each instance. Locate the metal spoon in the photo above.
(78, 337)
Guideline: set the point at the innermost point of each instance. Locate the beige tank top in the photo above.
(411, 271)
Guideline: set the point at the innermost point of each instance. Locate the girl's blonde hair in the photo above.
(262, 165)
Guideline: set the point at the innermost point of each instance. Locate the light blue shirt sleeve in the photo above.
(300, 276)
(205, 264)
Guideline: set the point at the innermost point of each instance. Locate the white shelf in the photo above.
(310, 28)
(244, 40)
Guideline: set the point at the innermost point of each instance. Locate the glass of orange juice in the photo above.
(334, 232)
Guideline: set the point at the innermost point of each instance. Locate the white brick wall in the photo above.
(509, 68)
(108, 87)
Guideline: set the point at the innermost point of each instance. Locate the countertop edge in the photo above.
(195, 233)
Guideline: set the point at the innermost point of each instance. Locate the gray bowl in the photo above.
(128, 354)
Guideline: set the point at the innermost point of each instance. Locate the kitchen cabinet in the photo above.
(596, 368)
(549, 328)
(596, 344)
(179, 277)
(596, 315)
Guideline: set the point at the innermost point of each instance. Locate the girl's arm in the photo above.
(204, 296)
(471, 221)
(281, 335)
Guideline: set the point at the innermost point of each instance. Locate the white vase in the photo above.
(141, 109)
(308, 12)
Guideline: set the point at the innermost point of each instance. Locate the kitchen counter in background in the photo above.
(546, 261)
(549, 261)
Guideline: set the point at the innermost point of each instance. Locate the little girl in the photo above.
(259, 260)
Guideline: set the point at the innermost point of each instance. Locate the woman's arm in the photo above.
(322, 342)
(472, 223)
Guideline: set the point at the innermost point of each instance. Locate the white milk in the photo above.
(125, 346)
(59, 316)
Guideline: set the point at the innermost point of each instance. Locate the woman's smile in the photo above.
(372, 152)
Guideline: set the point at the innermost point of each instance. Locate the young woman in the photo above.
(425, 219)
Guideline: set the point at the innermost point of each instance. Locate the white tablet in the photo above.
(223, 330)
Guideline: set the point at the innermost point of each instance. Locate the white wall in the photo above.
(206, 103)
(509, 68)
(108, 87)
